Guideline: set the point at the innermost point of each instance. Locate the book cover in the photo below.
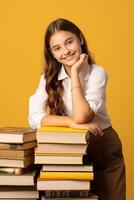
(61, 129)
(15, 153)
(93, 197)
(18, 192)
(66, 175)
(21, 163)
(23, 146)
(79, 194)
(61, 159)
(12, 179)
(61, 148)
(15, 170)
(62, 184)
(65, 168)
(17, 134)
(74, 137)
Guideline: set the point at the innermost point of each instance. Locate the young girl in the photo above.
(72, 92)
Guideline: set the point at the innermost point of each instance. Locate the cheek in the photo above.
(58, 57)
(79, 49)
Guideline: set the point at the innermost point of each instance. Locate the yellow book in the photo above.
(61, 129)
(67, 175)
(65, 135)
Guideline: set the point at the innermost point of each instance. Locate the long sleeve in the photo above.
(95, 92)
(37, 105)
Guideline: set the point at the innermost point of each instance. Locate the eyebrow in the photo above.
(64, 41)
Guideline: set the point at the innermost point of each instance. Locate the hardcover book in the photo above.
(14, 146)
(62, 184)
(66, 175)
(65, 168)
(66, 193)
(62, 135)
(17, 135)
(61, 148)
(18, 193)
(22, 163)
(15, 153)
(93, 197)
(12, 179)
(59, 159)
(69, 194)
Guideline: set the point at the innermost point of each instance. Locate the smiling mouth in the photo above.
(68, 56)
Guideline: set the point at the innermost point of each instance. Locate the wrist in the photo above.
(75, 87)
(74, 71)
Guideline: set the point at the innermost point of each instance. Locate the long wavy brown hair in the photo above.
(52, 67)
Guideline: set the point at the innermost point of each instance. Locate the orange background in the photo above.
(109, 29)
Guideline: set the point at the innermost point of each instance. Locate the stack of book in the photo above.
(60, 150)
(17, 173)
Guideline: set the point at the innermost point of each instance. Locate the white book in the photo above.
(19, 195)
(17, 135)
(61, 148)
(77, 168)
(61, 159)
(18, 198)
(12, 179)
(25, 162)
(62, 185)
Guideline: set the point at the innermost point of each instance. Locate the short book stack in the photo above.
(60, 151)
(17, 173)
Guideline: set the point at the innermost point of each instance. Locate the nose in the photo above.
(66, 51)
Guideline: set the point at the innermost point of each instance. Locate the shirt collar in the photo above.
(84, 74)
(62, 74)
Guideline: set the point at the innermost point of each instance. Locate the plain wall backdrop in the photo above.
(109, 29)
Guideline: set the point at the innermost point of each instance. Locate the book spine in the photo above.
(66, 193)
(67, 175)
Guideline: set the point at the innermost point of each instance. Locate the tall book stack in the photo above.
(60, 151)
(17, 173)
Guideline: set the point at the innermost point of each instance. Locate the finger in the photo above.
(96, 130)
(85, 57)
(82, 56)
(99, 131)
(93, 131)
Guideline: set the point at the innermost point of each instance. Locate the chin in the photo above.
(71, 62)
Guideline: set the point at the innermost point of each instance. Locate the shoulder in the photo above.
(42, 79)
(99, 71)
(41, 82)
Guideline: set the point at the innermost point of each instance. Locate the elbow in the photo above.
(79, 120)
(82, 119)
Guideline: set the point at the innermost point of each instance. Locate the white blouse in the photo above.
(93, 80)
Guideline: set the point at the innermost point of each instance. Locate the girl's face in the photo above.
(66, 47)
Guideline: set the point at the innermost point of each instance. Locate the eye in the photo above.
(56, 49)
(69, 41)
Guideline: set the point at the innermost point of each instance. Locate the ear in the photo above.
(81, 39)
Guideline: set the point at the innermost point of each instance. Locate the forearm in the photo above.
(55, 120)
(81, 108)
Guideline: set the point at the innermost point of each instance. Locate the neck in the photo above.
(68, 70)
